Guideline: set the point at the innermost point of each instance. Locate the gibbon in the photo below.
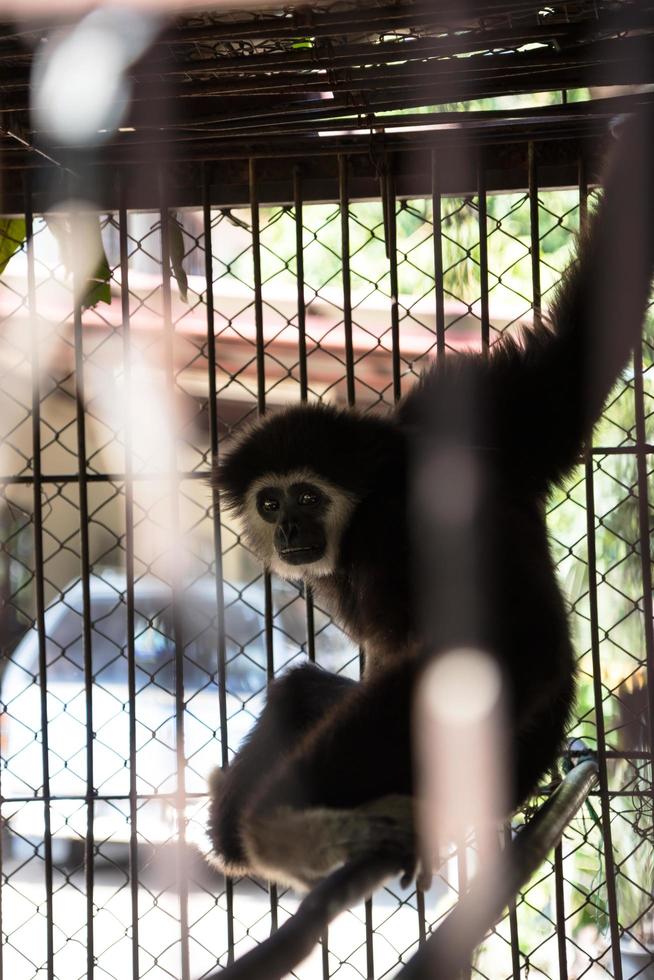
(324, 495)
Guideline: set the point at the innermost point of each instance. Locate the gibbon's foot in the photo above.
(417, 869)
(300, 847)
(393, 822)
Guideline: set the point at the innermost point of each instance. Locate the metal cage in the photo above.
(245, 269)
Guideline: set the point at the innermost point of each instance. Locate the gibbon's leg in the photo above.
(299, 847)
(295, 702)
(348, 788)
(344, 791)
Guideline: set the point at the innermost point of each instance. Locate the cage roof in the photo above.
(321, 78)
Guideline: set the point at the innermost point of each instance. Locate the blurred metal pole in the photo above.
(176, 584)
(39, 573)
(217, 532)
(129, 590)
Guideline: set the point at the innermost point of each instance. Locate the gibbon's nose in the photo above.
(287, 533)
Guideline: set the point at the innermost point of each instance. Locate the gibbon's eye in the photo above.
(307, 498)
(269, 504)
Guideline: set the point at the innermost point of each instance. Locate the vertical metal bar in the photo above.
(311, 624)
(436, 210)
(217, 535)
(82, 482)
(534, 227)
(39, 571)
(302, 353)
(597, 679)
(422, 921)
(299, 279)
(2, 895)
(370, 958)
(270, 670)
(644, 541)
(515, 943)
(261, 406)
(644, 536)
(344, 208)
(344, 204)
(389, 193)
(644, 545)
(324, 943)
(483, 251)
(535, 233)
(439, 294)
(560, 912)
(129, 576)
(599, 719)
(258, 300)
(178, 638)
(513, 920)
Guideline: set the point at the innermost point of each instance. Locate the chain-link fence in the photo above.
(139, 633)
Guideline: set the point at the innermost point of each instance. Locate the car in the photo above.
(154, 751)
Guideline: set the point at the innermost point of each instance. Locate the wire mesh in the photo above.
(139, 632)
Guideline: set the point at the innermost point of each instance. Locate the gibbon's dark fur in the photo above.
(327, 744)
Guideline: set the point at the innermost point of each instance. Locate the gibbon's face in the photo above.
(295, 522)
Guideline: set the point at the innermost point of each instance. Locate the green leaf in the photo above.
(176, 248)
(13, 233)
(98, 288)
(84, 232)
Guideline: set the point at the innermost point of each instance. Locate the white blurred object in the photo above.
(80, 92)
(461, 751)
(148, 413)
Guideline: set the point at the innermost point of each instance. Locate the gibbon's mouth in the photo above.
(302, 556)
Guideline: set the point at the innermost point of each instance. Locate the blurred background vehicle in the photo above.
(158, 619)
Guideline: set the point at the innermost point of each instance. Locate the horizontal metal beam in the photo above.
(562, 139)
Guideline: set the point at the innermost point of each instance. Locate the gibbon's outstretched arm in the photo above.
(555, 387)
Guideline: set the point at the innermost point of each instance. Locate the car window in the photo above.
(65, 641)
(154, 645)
(245, 649)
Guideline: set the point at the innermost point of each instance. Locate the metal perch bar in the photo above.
(294, 940)
(452, 944)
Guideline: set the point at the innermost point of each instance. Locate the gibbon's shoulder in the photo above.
(344, 446)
